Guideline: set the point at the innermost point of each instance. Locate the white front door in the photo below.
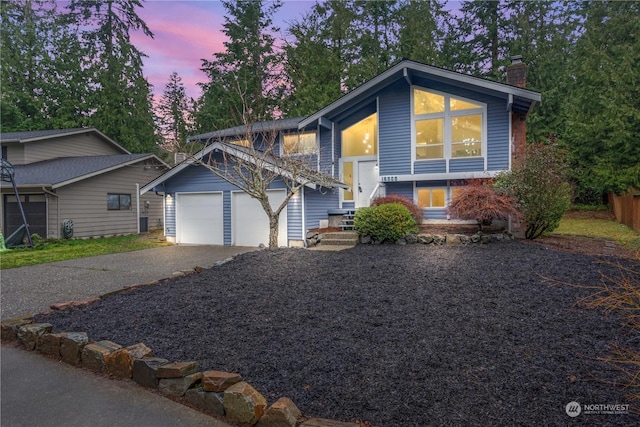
(367, 182)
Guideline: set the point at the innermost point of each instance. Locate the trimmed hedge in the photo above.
(416, 211)
(390, 221)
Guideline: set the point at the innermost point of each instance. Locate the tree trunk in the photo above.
(274, 221)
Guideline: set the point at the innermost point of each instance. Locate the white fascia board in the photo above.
(438, 176)
(100, 172)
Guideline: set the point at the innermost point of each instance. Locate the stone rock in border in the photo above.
(209, 402)
(120, 363)
(365, 240)
(71, 345)
(485, 238)
(401, 242)
(145, 370)
(94, 354)
(283, 413)
(177, 369)
(243, 403)
(411, 239)
(476, 237)
(9, 327)
(425, 239)
(178, 386)
(218, 380)
(438, 239)
(49, 344)
(28, 334)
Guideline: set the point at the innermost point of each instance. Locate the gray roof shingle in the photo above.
(19, 136)
(57, 171)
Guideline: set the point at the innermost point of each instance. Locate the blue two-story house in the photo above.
(414, 130)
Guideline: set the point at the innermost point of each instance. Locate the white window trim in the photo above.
(438, 187)
(314, 153)
(447, 114)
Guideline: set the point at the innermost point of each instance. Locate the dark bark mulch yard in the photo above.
(395, 335)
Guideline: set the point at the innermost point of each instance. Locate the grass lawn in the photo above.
(579, 225)
(60, 250)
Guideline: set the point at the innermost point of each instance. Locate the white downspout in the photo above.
(51, 193)
(138, 207)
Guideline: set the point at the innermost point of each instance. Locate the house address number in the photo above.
(389, 178)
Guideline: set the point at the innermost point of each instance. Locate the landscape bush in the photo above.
(483, 204)
(386, 222)
(539, 186)
(416, 211)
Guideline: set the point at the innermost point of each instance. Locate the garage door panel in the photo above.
(250, 225)
(199, 219)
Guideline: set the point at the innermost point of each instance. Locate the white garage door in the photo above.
(250, 225)
(199, 219)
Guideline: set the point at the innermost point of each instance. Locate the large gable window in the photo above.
(299, 143)
(361, 139)
(447, 127)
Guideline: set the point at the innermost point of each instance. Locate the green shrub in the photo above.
(416, 211)
(390, 221)
(36, 239)
(538, 183)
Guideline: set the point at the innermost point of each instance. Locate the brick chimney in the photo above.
(517, 76)
(517, 72)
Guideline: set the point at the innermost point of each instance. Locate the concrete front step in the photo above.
(339, 242)
(352, 235)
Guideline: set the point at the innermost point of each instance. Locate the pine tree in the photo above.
(120, 105)
(173, 113)
(244, 81)
(603, 106)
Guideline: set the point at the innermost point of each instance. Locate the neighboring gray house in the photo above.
(79, 175)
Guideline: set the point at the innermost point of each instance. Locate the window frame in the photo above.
(447, 115)
(120, 204)
(437, 187)
(298, 135)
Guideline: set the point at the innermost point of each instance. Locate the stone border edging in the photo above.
(313, 239)
(220, 394)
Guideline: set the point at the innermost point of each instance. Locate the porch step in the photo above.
(340, 238)
(347, 221)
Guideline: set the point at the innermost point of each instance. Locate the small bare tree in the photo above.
(248, 157)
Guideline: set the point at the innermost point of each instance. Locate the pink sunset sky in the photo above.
(187, 31)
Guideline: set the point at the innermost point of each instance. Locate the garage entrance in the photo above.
(199, 219)
(249, 223)
(35, 209)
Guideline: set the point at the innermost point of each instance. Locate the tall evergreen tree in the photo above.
(25, 32)
(603, 106)
(244, 84)
(316, 58)
(173, 113)
(482, 39)
(120, 105)
(421, 31)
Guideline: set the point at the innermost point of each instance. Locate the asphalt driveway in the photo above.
(37, 390)
(31, 290)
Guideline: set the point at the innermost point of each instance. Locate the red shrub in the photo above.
(416, 211)
(481, 203)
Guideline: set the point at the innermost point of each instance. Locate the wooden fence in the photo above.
(627, 209)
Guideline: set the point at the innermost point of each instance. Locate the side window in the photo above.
(118, 202)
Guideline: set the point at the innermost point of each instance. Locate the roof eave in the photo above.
(101, 171)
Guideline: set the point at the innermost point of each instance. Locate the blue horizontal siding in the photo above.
(170, 216)
(394, 124)
(317, 203)
(435, 213)
(400, 188)
(294, 218)
(430, 166)
(466, 165)
(326, 160)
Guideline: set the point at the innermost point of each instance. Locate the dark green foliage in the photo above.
(603, 110)
(538, 183)
(245, 83)
(388, 222)
(173, 113)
